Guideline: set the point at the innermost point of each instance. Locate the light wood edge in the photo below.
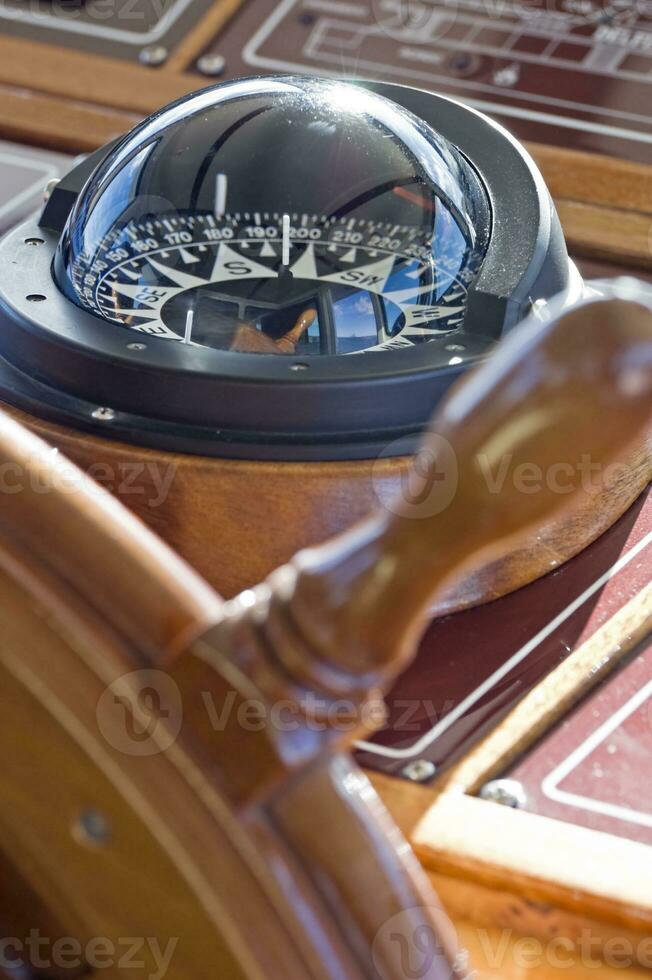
(199, 38)
(91, 80)
(553, 697)
(52, 124)
(495, 926)
(67, 671)
(613, 234)
(465, 837)
(594, 178)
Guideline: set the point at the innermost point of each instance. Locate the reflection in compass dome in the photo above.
(279, 215)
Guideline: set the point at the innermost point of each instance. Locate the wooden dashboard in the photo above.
(539, 692)
(571, 79)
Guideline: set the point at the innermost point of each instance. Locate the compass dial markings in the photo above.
(183, 279)
(402, 296)
(371, 277)
(153, 297)
(230, 264)
(425, 314)
(306, 267)
(349, 258)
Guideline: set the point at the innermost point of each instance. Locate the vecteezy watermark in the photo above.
(586, 951)
(415, 944)
(413, 20)
(559, 478)
(150, 480)
(140, 713)
(429, 486)
(37, 952)
(123, 12)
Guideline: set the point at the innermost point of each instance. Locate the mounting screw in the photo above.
(154, 56)
(507, 76)
(49, 187)
(537, 308)
(419, 771)
(136, 346)
(212, 65)
(92, 827)
(507, 792)
(103, 414)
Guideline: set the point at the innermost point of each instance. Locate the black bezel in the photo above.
(62, 362)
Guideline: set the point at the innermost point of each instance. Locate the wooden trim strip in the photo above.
(543, 859)
(590, 178)
(617, 235)
(201, 36)
(53, 125)
(100, 81)
(463, 838)
(553, 698)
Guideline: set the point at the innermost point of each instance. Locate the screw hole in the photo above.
(298, 367)
(91, 828)
(34, 241)
(103, 414)
(36, 298)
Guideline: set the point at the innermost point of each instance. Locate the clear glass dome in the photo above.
(279, 215)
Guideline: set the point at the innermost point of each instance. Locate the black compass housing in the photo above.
(277, 267)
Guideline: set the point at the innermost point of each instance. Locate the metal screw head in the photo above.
(153, 56)
(49, 187)
(136, 346)
(103, 414)
(419, 771)
(92, 827)
(507, 76)
(507, 792)
(212, 65)
(538, 307)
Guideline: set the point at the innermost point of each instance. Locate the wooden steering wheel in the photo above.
(175, 768)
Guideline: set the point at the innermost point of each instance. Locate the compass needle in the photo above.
(285, 258)
(221, 186)
(190, 319)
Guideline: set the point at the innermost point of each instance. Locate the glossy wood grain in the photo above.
(81, 535)
(266, 846)
(235, 521)
(363, 597)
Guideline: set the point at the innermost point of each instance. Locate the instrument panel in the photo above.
(576, 73)
(588, 771)
(566, 76)
(451, 696)
(571, 73)
(126, 30)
